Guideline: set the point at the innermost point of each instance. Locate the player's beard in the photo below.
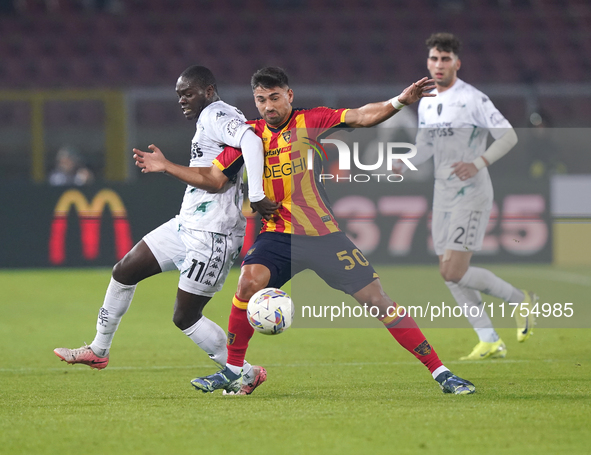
(273, 121)
(445, 81)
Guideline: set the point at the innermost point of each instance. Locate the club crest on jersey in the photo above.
(286, 135)
(439, 108)
(423, 349)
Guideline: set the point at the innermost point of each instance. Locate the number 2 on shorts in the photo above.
(457, 239)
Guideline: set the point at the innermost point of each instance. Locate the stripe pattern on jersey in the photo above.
(305, 208)
(229, 161)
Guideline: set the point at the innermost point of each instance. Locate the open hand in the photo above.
(416, 91)
(150, 162)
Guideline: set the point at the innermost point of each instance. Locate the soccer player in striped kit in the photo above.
(303, 234)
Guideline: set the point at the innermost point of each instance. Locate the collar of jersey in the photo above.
(283, 125)
(454, 87)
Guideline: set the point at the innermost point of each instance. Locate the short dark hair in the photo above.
(444, 42)
(202, 76)
(269, 77)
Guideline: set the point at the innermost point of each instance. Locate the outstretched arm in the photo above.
(209, 179)
(374, 113)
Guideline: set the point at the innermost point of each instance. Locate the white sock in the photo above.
(234, 369)
(480, 322)
(438, 371)
(211, 338)
(247, 372)
(117, 300)
(485, 281)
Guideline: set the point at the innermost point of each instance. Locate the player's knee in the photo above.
(119, 273)
(124, 273)
(250, 282)
(183, 321)
(374, 295)
(451, 274)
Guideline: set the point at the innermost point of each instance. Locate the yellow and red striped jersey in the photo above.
(305, 208)
(230, 162)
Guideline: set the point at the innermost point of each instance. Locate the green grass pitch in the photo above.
(329, 391)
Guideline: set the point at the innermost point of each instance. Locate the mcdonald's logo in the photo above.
(90, 215)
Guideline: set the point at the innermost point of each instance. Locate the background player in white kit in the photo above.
(202, 241)
(453, 128)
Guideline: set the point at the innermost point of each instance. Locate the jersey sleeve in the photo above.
(489, 117)
(228, 128)
(229, 161)
(325, 117)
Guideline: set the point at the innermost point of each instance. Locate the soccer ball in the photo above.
(270, 311)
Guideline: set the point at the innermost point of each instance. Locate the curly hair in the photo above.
(444, 42)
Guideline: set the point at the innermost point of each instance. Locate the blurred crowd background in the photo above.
(532, 57)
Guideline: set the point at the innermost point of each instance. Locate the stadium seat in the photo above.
(348, 40)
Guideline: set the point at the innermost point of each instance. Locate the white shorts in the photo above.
(203, 258)
(460, 230)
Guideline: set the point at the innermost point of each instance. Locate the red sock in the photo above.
(410, 337)
(239, 334)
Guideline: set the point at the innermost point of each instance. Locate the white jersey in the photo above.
(454, 126)
(219, 124)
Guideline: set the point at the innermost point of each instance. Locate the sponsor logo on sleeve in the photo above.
(496, 118)
(233, 126)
